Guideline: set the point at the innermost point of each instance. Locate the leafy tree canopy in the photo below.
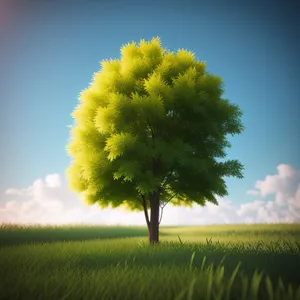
(154, 120)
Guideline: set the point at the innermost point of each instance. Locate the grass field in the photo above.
(205, 262)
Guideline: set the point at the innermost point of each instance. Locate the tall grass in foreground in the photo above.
(127, 268)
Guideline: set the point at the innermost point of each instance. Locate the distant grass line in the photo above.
(19, 234)
(118, 263)
(11, 234)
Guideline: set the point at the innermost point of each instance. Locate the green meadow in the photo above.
(203, 262)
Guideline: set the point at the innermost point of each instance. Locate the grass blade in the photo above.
(180, 240)
(256, 279)
(191, 289)
(269, 288)
(231, 280)
(209, 282)
(203, 263)
(192, 259)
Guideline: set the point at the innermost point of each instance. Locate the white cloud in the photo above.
(282, 184)
(285, 186)
(15, 192)
(53, 180)
(252, 192)
(49, 201)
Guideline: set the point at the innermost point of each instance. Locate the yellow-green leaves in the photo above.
(130, 51)
(110, 66)
(152, 48)
(140, 60)
(118, 115)
(185, 57)
(84, 113)
(117, 144)
(152, 51)
(148, 184)
(155, 85)
(148, 114)
(129, 170)
(151, 107)
(109, 118)
(185, 84)
(76, 181)
(211, 85)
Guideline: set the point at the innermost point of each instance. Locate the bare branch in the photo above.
(166, 202)
(163, 206)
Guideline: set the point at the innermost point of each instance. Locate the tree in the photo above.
(149, 130)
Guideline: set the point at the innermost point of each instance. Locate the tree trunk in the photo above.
(154, 219)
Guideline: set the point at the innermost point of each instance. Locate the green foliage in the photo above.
(152, 121)
(93, 262)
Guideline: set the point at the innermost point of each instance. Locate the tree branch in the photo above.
(163, 206)
(146, 211)
(166, 180)
(139, 200)
(144, 205)
(161, 215)
(151, 129)
(154, 161)
(166, 202)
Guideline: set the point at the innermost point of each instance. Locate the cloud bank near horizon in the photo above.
(48, 201)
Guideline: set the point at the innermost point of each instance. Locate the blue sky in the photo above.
(52, 48)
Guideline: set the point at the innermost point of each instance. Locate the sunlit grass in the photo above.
(90, 262)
